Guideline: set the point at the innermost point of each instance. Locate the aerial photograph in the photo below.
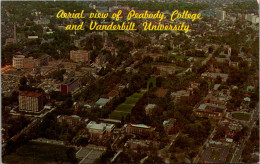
(130, 81)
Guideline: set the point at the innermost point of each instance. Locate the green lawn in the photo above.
(180, 56)
(199, 58)
(151, 80)
(241, 116)
(36, 152)
(125, 108)
(131, 100)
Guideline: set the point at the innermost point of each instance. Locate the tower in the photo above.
(15, 38)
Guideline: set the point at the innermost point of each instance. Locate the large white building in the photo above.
(18, 61)
(98, 130)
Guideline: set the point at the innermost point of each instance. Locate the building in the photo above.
(135, 144)
(209, 110)
(72, 120)
(102, 102)
(180, 94)
(30, 101)
(29, 62)
(70, 85)
(149, 108)
(221, 14)
(80, 56)
(98, 130)
(18, 61)
(138, 129)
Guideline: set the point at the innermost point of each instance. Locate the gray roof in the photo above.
(102, 101)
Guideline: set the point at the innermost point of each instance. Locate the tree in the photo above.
(71, 155)
(220, 132)
(23, 81)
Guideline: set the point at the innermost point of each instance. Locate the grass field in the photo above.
(241, 116)
(40, 153)
(151, 80)
(125, 108)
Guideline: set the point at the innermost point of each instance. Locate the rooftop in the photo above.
(30, 94)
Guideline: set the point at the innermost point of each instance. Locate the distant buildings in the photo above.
(30, 101)
(42, 21)
(252, 18)
(19, 61)
(221, 14)
(80, 56)
(223, 76)
(70, 85)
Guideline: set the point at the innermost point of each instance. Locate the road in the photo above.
(28, 128)
(201, 150)
(237, 155)
(166, 148)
